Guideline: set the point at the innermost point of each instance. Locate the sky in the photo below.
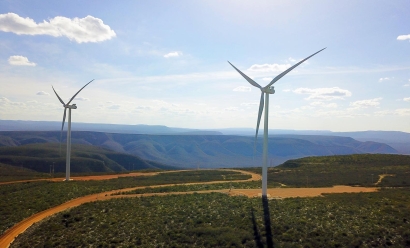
(165, 62)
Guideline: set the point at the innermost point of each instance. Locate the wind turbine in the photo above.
(265, 92)
(69, 107)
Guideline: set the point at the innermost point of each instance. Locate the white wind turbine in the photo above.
(69, 107)
(268, 89)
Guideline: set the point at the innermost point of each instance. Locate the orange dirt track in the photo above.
(87, 178)
(8, 237)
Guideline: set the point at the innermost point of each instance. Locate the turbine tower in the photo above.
(265, 92)
(69, 107)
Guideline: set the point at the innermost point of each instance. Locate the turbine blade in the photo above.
(58, 96)
(291, 68)
(62, 127)
(261, 104)
(246, 77)
(72, 98)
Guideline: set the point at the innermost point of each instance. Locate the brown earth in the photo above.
(87, 178)
(7, 238)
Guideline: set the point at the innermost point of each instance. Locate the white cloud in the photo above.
(231, 109)
(407, 99)
(4, 101)
(172, 54)
(366, 103)
(402, 112)
(403, 37)
(247, 104)
(114, 106)
(406, 85)
(20, 60)
(267, 79)
(42, 93)
(385, 79)
(269, 67)
(324, 105)
(242, 89)
(87, 29)
(324, 93)
(82, 99)
(292, 60)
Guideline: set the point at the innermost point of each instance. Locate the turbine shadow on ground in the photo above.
(267, 224)
(266, 218)
(256, 234)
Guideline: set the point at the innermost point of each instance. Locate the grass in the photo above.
(20, 200)
(14, 173)
(353, 170)
(217, 220)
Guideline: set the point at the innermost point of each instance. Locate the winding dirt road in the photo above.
(8, 237)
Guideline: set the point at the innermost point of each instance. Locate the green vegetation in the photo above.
(20, 200)
(84, 159)
(358, 169)
(216, 220)
(14, 173)
(196, 187)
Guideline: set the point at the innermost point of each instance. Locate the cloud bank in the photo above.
(366, 103)
(324, 93)
(81, 30)
(20, 61)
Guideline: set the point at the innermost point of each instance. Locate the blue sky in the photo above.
(165, 62)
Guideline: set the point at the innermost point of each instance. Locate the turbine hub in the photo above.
(269, 90)
(72, 106)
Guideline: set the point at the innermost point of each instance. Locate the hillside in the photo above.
(210, 151)
(357, 169)
(400, 141)
(39, 157)
(338, 162)
(15, 173)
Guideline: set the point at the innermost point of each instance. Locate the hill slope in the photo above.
(84, 158)
(206, 150)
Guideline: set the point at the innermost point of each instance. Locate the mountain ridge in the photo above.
(210, 150)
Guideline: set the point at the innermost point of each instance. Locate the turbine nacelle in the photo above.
(268, 90)
(72, 106)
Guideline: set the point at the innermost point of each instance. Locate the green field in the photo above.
(14, 173)
(354, 170)
(217, 220)
(20, 200)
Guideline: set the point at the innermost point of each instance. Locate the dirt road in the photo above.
(88, 178)
(7, 238)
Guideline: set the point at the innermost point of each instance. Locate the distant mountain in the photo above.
(11, 125)
(400, 141)
(40, 155)
(209, 151)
